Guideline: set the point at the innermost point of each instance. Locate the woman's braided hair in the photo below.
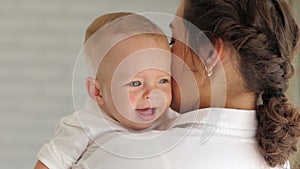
(265, 35)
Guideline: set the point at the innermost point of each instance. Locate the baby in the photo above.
(131, 86)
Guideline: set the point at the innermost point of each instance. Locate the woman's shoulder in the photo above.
(234, 118)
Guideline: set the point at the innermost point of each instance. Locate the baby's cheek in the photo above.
(168, 95)
(133, 97)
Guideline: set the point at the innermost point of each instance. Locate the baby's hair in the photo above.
(105, 28)
(265, 35)
(101, 21)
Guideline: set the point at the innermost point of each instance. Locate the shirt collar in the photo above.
(221, 120)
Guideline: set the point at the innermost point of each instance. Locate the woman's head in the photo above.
(262, 32)
(259, 39)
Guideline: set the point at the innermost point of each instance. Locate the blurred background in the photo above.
(39, 43)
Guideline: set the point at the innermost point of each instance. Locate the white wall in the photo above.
(39, 42)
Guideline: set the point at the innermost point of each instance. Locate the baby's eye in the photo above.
(163, 81)
(135, 83)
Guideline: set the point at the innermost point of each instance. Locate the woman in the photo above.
(255, 41)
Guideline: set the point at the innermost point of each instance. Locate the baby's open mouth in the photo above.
(147, 113)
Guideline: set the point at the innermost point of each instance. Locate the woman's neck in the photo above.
(244, 100)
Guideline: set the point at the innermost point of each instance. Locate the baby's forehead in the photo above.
(134, 55)
(157, 61)
(132, 51)
(142, 44)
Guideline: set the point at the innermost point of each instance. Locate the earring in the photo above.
(209, 72)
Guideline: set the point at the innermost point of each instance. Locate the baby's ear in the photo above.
(94, 91)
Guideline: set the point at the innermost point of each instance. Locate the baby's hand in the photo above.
(40, 165)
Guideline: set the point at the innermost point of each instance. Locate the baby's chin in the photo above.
(138, 126)
(141, 126)
(144, 125)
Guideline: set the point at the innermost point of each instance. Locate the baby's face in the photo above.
(150, 94)
(136, 82)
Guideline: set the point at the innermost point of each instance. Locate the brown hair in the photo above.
(265, 35)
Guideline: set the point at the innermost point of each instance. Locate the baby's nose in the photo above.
(147, 94)
(152, 93)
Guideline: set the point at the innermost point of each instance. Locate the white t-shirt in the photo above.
(74, 133)
(213, 138)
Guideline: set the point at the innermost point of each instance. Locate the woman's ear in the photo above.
(94, 91)
(219, 47)
(215, 55)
